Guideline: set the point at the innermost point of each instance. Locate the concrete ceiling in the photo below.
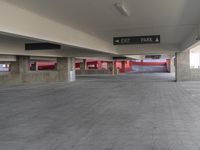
(172, 19)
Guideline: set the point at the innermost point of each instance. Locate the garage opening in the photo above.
(42, 64)
(4, 67)
(150, 66)
(5, 63)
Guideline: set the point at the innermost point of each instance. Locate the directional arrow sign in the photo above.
(117, 41)
(150, 39)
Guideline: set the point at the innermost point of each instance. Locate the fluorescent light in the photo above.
(120, 6)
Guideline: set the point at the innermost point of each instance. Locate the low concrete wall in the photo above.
(195, 74)
(19, 72)
(30, 77)
(39, 77)
(9, 78)
(79, 72)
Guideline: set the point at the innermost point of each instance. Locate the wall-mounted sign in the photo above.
(150, 39)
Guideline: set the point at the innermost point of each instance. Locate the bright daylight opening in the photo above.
(195, 58)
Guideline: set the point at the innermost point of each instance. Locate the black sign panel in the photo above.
(41, 46)
(151, 39)
(153, 56)
(120, 57)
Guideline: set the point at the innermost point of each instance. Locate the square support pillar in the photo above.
(14, 76)
(23, 64)
(19, 69)
(14, 67)
(66, 69)
(115, 72)
(83, 66)
(110, 67)
(99, 65)
(62, 68)
(71, 69)
(123, 66)
(183, 66)
(172, 65)
(168, 61)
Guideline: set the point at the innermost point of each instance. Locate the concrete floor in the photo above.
(131, 112)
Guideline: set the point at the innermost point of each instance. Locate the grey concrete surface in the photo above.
(131, 112)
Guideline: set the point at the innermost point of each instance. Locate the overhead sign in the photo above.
(150, 39)
(41, 46)
(119, 57)
(153, 56)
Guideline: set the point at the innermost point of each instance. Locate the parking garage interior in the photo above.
(99, 75)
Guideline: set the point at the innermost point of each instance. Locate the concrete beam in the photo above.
(148, 49)
(15, 46)
(21, 22)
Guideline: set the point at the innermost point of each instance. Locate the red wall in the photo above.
(128, 65)
(149, 63)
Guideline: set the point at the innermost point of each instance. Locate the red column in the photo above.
(85, 64)
(123, 70)
(114, 67)
(130, 65)
(99, 65)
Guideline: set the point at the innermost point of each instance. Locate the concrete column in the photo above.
(66, 69)
(14, 67)
(168, 65)
(71, 69)
(183, 66)
(172, 65)
(110, 67)
(20, 65)
(123, 66)
(130, 65)
(14, 76)
(62, 68)
(19, 69)
(99, 65)
(23, 64)
(36, 66)
(114, 67)
(83, 66)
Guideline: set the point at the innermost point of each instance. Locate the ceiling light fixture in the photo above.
(120, 6)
